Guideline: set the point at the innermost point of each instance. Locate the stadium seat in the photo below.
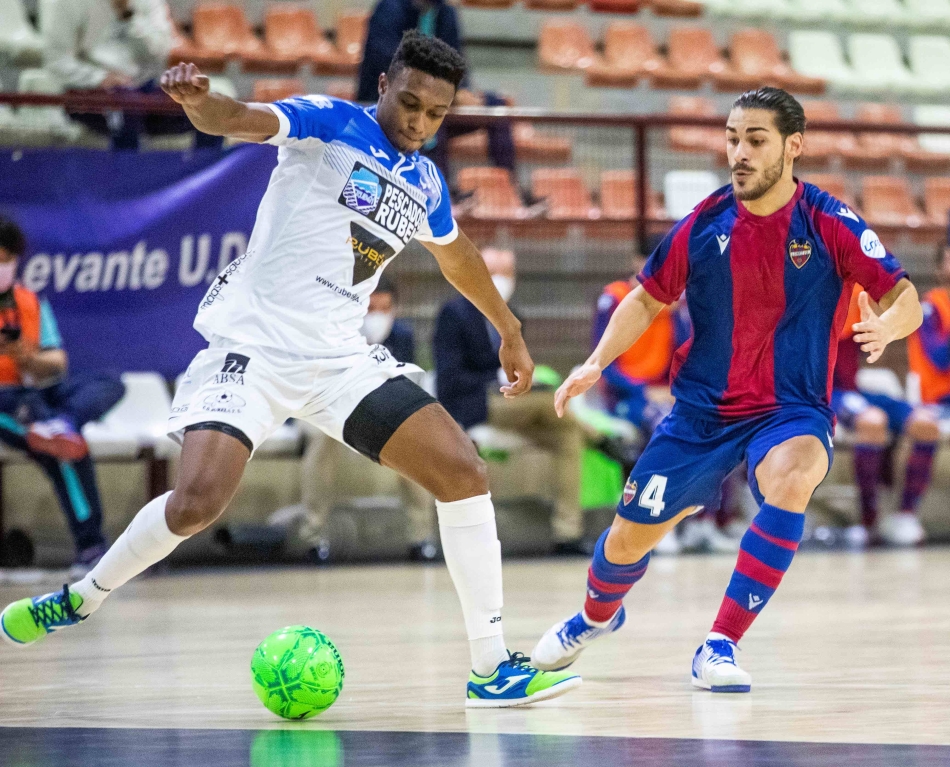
(565, 45)
(822, 10)
(887, 202)
(618, 197)
(934, 115)
(292, 37)
(762, 9)
(223, 85)
(875, 150)
(50, 122)
(629, 53)
(489, 4)
(19, 41)
(819, 54)
(684, 138)
(615, 6)
(755, 60)
(835, 184)
(552, 5)
(531, 145)
(880, 13)
(878, 64)
(677, 8)
(929, 14)
(137, 423)
(564, 192)
(821, 146)
(683, 190)
(268, 91)
(220, 32)
(693, 57)
(937, 201)
(929, 57)
(494, 195)
(350, 40)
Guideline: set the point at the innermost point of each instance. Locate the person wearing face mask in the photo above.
(42, 410)
(465, 350)
(323, 457)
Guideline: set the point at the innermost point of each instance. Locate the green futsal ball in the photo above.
(297, 672)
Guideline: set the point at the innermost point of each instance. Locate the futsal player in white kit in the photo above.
(282, 322)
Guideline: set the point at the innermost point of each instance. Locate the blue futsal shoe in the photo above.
(517, 683)
(564, 641)
(715, 668)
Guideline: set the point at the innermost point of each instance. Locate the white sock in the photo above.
(473, 556)
(598, 624)
(146, 540)
(714, 635)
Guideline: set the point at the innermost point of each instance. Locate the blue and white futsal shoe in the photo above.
(715, 667)
(564, 641)
(517, 683)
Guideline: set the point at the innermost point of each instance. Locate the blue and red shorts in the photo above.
(687, 459)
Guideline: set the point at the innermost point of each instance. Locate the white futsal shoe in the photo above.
(715, 668)
(564, 641)
(902, 529)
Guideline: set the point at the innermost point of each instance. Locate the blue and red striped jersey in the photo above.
(768, 296)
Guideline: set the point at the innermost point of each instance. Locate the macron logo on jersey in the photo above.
(723, 240)
(846, 212)
(373, 196)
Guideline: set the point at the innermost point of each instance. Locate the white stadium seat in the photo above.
(685, 189)
(878, 64)
(822, 10)
(51, 121)
(879, 13)
(929, 14)
(929, 57)
(933, 115)
(18, 40)
(819, 54)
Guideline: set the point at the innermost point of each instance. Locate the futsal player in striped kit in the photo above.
(768, 264)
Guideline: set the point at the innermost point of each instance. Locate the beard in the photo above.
(770, 177)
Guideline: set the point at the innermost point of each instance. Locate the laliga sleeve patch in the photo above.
(871, 245)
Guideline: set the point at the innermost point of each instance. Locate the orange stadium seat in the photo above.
(292, 37)
(615, 6)
(685, 138)
(565, 44)
(565, 193)
(618, 197)
(937, 201)
(692, 58)
(821, 146)
(552, 5)
(530, 145)
(220, 31)
(875, 150)
(268, 91)
(488, 3)
(350, 41)
(342, 89)
(835, 184)
(684, 8)
(755, 60)
(887, 202)
(629, 53)
(494, 195)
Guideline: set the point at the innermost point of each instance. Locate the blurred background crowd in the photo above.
(116, 216)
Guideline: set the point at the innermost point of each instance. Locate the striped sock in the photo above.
(917, 479)
(608, 584)
(868, 460)
(765, 554)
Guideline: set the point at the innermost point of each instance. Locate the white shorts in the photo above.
(255, 389)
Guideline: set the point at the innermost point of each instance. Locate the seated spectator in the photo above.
(466, 348)
(929, 347)
(436, 18)
(323, 456)
(113, 45)
(877, 420)
(42, 410)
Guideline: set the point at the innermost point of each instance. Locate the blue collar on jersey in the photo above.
(371, 113)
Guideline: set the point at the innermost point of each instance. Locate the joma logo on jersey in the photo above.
(369, 253)
(383, 202)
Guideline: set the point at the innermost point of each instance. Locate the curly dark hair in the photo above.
(12, 238)
(789, 115)
(429, 55)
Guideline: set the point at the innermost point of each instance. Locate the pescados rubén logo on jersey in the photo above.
(375, 197)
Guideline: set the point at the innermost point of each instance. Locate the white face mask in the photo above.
(377, 326)
(7, 276)
(505, 285)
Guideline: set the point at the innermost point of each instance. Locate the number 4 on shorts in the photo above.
(652, 496)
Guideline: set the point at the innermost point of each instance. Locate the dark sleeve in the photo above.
(453, 375)
(383, 34)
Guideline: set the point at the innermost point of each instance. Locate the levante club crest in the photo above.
(629, 492)
(799, 251)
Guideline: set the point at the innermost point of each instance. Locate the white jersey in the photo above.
(341, 203)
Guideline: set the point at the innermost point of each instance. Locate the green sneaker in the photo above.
(517, 683)
(31, 619)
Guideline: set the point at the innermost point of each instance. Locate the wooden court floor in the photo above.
(854, 649)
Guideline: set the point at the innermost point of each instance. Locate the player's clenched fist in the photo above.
(185, 84)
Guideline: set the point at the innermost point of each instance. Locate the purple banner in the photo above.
(124, 245)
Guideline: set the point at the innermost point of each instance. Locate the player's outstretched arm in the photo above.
(901, 315)
(463, 267)
(629, 321)
(214, 113)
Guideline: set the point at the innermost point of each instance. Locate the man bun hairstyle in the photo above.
(12, 238)
(429, 55)
(789, 115)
